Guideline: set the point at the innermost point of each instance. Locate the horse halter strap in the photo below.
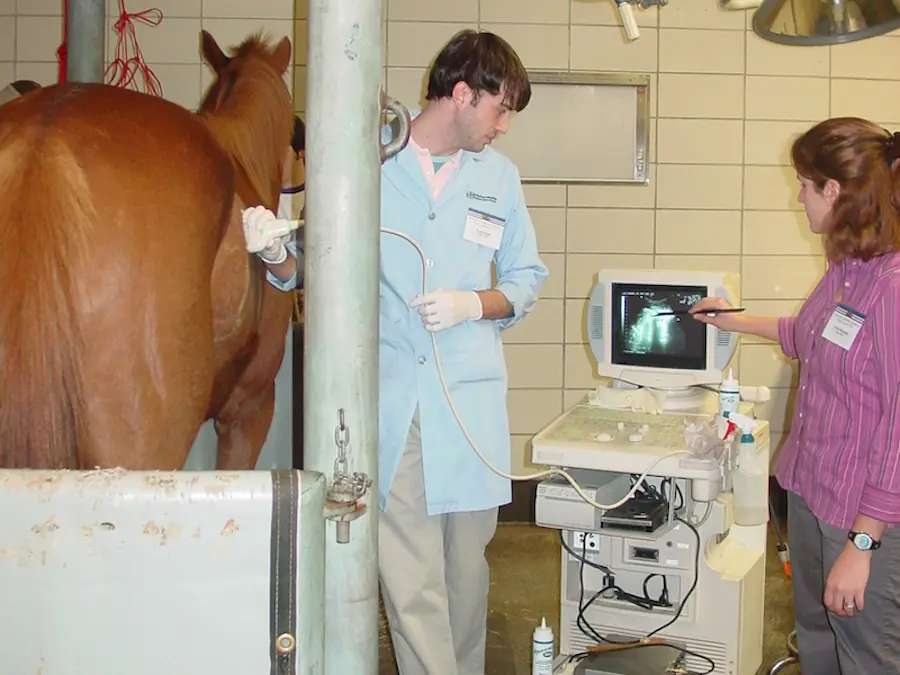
(294, 189)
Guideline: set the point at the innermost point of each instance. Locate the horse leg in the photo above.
(244, 421)
(250, 325)
(242, 432)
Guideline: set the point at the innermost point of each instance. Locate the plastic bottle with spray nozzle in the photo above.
(749, 482)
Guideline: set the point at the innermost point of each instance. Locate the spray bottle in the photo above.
(729, 395)
(750, 479)
(542, 650)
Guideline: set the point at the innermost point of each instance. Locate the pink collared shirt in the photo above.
(842, 455)
(437, 181)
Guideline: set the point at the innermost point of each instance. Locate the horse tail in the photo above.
(46, 211)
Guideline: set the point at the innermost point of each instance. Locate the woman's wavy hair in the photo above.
(862, 158)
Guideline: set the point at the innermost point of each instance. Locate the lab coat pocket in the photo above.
(472, 352)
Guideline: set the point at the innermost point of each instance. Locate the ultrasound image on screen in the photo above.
(641, 338)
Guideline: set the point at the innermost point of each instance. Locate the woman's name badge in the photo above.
(843, 326)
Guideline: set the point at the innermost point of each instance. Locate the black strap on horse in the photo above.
(283, 570)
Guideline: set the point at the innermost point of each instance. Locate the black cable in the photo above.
(588, 631)
(665, 497)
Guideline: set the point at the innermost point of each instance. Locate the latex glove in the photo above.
(443, 309)
(266, 235)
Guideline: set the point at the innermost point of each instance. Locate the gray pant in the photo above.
(868, 643)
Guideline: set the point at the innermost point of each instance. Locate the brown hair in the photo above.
(485, 62)
(861, 158)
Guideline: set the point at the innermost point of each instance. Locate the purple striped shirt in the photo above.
(842, 455)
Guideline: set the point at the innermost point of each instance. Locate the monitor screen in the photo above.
(641, 338)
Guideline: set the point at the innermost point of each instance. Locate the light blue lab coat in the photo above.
(471, 353)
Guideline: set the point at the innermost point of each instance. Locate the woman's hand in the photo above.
(727, 322)
(845, 587)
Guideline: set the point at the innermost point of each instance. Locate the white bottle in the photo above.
(542, 650)
(729, 395)
(749, 482)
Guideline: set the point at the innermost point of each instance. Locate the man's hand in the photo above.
(443, 309)
(266, 235)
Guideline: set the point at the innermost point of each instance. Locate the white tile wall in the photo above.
(726, 105)
(31, 32)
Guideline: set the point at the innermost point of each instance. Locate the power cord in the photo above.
(534, 476)
(609, 585)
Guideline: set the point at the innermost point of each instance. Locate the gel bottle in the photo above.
(542, 650)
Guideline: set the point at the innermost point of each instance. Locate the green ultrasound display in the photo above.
(641, 338)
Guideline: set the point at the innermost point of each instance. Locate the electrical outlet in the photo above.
(585, 541)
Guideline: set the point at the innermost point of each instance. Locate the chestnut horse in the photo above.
(130, 310)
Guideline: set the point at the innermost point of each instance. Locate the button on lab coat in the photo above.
(471, 353)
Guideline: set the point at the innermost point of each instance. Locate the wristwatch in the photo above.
(863, 541)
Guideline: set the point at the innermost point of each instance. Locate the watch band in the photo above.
(854, 537)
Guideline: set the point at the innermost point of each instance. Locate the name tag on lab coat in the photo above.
(843, 326)
(483, 228)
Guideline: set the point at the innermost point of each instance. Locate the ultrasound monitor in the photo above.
(636, 343)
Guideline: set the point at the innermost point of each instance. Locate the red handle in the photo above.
(61, 52)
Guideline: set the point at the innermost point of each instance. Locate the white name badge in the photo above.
(483, 228)
(843, 326)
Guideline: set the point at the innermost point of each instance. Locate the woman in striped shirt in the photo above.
(841, 461)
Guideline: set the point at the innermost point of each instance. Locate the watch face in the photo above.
(863, 541)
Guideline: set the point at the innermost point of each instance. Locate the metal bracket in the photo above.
(343, 496)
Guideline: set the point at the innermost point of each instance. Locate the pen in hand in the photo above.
(709, 312)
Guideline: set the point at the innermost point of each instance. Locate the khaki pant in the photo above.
(434, 576)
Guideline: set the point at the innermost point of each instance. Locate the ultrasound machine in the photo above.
(666, 560)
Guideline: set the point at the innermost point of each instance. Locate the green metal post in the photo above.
(86, 38)
(343, 164)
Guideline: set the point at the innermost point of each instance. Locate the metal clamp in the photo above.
(396, 144)
(343, 497)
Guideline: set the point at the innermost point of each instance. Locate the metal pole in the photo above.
(86, 40)
(344, 76)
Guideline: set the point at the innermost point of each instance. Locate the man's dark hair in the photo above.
(485, 62)
(298, 136)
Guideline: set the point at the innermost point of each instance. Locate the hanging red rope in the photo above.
(128, 64)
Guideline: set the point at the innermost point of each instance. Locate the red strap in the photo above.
(61, 52)
(128, 64)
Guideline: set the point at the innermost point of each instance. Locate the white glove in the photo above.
(443, 309)
(266, 235)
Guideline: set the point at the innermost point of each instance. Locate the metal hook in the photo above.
(399, 142)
